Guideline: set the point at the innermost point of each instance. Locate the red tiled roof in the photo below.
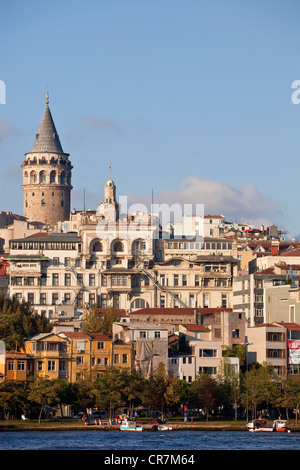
(196, 327)
(78, 334)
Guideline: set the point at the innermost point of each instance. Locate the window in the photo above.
(124, 358)
(54, 299)
(80, 346)
(55, 279)
(55, 261)
(275, 353)
(116, 358)
(100, 345)
(97, 246)
(51, 366)
(208, 370)
(156, 334)
(67, 279)
(11, 365)
(207, 353)
(274, 336)
(197, 280)
(184, 280)
(143, 334)
(67, 298)
(43, 299)
(21, 365)
(224, 301)
(91, 300)
(79, 360)
(176, 280)
(118, 246)
(91, 279)
(30, 298)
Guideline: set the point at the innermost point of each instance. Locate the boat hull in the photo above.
(129, 429)
(261, 426)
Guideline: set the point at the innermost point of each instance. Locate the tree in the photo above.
(134, 390)
(155, 395)
(92, 322)
(163, 390)
(108, 389)
(260, 387)
(13, 397)
(205, 393)
(43, 393)
(289, 398)
(229, 382)
(64, 393)
(100, 323)
(17, 322)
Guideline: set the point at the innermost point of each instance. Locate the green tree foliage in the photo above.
(205, 393)
(18, 323)
(43, 393)
(108, 389)
(14, 398)
(100, 323)
(260, 387)
(162, 390)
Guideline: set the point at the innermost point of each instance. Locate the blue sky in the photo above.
(189, 99)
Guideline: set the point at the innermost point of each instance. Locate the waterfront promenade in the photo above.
(76, 425)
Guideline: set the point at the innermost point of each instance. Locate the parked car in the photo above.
(97, 414)
(79, 415)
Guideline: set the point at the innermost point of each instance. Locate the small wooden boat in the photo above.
(130, 426)
(261, 425)
(161, 427)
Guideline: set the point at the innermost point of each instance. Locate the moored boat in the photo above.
(130, 426)
(261, 425)
(161, 427)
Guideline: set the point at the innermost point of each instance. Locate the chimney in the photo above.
(274, 247)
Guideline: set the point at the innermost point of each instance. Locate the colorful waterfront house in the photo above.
(18, 366)
(51, 356)
(123, 355)
(101, 353)
(89, 354)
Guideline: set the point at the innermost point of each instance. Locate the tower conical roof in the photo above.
(47, 139)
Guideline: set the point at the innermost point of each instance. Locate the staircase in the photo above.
(163, 288)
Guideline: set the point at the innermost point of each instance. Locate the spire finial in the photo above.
(47, 97)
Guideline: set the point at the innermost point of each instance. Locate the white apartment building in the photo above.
(198, 354)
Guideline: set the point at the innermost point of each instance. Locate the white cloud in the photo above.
(242, 204)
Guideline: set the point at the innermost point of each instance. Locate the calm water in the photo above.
(176, 440)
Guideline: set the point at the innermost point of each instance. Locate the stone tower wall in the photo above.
(46, 187)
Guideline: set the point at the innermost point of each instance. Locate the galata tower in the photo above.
(47, 176)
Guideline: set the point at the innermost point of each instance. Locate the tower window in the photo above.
(43, 202)
(62, 203)
(52, 176)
